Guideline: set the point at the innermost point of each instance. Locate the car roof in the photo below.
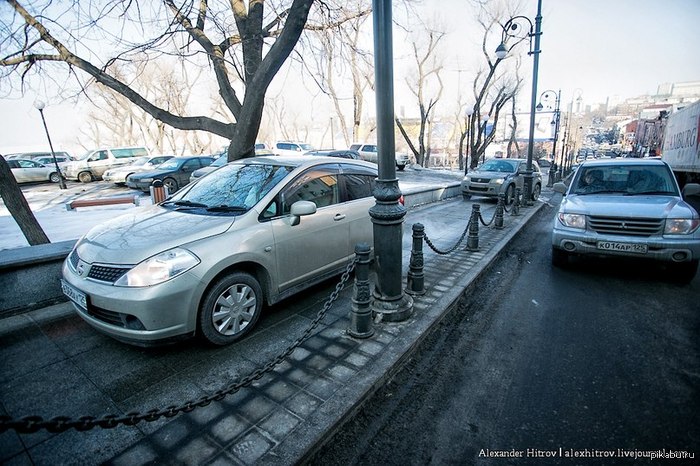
(621, 161)
(303, 160)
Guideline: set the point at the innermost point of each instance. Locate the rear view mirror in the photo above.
(691, 189)
(299, 209)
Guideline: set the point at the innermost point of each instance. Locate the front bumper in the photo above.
(141, 316)
(482, 189)
(659, 248)
(142, 185)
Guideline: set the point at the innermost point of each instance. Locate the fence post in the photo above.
(473, 236)
(515, 210)
(361, 313)
(415, 284)
(499, 211)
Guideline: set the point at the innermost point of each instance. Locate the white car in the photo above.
(118, 175)
(29, 171)
(370, 153)
(291, 148)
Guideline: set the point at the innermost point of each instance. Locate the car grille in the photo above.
(481, 180)
(104, 273)
(626, 226)
(73, 259)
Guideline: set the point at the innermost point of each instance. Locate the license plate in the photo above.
(622, 247)
(75, 295)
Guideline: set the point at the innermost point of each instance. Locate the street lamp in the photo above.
(468, 114)
(545, 97)
(40, 106)
(512, 29)
(485, 120)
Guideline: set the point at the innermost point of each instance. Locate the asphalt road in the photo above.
(600, 360)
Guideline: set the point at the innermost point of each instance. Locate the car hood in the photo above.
(131, 238)
(151, 174)
(628, 206)
(489, 174)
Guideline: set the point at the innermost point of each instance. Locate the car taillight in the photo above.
(401, 200)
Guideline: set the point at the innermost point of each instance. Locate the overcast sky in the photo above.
(602, 47)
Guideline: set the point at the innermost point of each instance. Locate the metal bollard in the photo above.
(499, 211)
(158, 192)
(515, 210)
(473, 236)
(361, 313)
(415, 284)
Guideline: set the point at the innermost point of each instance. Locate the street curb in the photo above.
(399, 351)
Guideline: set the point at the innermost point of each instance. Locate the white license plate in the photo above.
(622, 247)
(75, 295)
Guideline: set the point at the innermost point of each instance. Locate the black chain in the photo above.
(461, 238)
(31, 424)
(481, 219)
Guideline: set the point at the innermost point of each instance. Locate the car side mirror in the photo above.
(299, 209)
(691, 189)
(559, 187)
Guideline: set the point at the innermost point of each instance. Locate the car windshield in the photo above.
(237, 187)
(306, 146)
(220, 162)
(625, 179)
(140, 161)
(505, 166)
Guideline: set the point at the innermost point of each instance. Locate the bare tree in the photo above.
(244, 46)
(428, 66)
(19, 208)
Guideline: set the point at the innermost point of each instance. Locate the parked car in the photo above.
(291, 148)
(92, 164)
(369, 152)
(544, 164)
(118, 175)
(209, 258)
(62, 161)
(343, 153)
(29, 171)
(501, 176)
(62, 155)
(222, 160)
(174, 173)
(628, 208)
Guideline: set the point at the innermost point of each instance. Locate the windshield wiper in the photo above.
(227, 208)
(186, 204)
(634, 193)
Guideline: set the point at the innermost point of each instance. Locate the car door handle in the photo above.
(338, 217)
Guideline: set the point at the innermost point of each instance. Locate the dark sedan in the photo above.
(174, 173)
(343, 153)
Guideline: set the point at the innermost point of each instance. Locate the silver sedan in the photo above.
(207, 259)
(29, 171)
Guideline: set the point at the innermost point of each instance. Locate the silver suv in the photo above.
(369, 152)
(628, 208)
(291, 148)
(204, 262)
(501, 176)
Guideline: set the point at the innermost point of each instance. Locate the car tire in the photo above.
(171, 184)
(55, 177)
(230, 308)
(684, 272)
(536, 190)
(510, 194)
(466, 196)
(560, 258)
(401, 167)
(85, 177)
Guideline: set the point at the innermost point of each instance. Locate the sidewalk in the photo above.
(280, 419)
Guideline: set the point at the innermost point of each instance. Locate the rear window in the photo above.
(129, 152)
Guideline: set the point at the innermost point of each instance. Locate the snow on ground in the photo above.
(48, 202)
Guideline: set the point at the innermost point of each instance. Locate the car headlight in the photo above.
(498, 180)
(144, 180)
(467, 179)
(159, 268)
(681, 226)
(573, 220)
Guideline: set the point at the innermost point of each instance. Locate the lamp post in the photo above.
(547, 96)
(468, 113)
(40, 106)
(485, 120)
(387, 214)
(511, 29)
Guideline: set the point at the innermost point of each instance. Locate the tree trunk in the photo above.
(19, 207)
